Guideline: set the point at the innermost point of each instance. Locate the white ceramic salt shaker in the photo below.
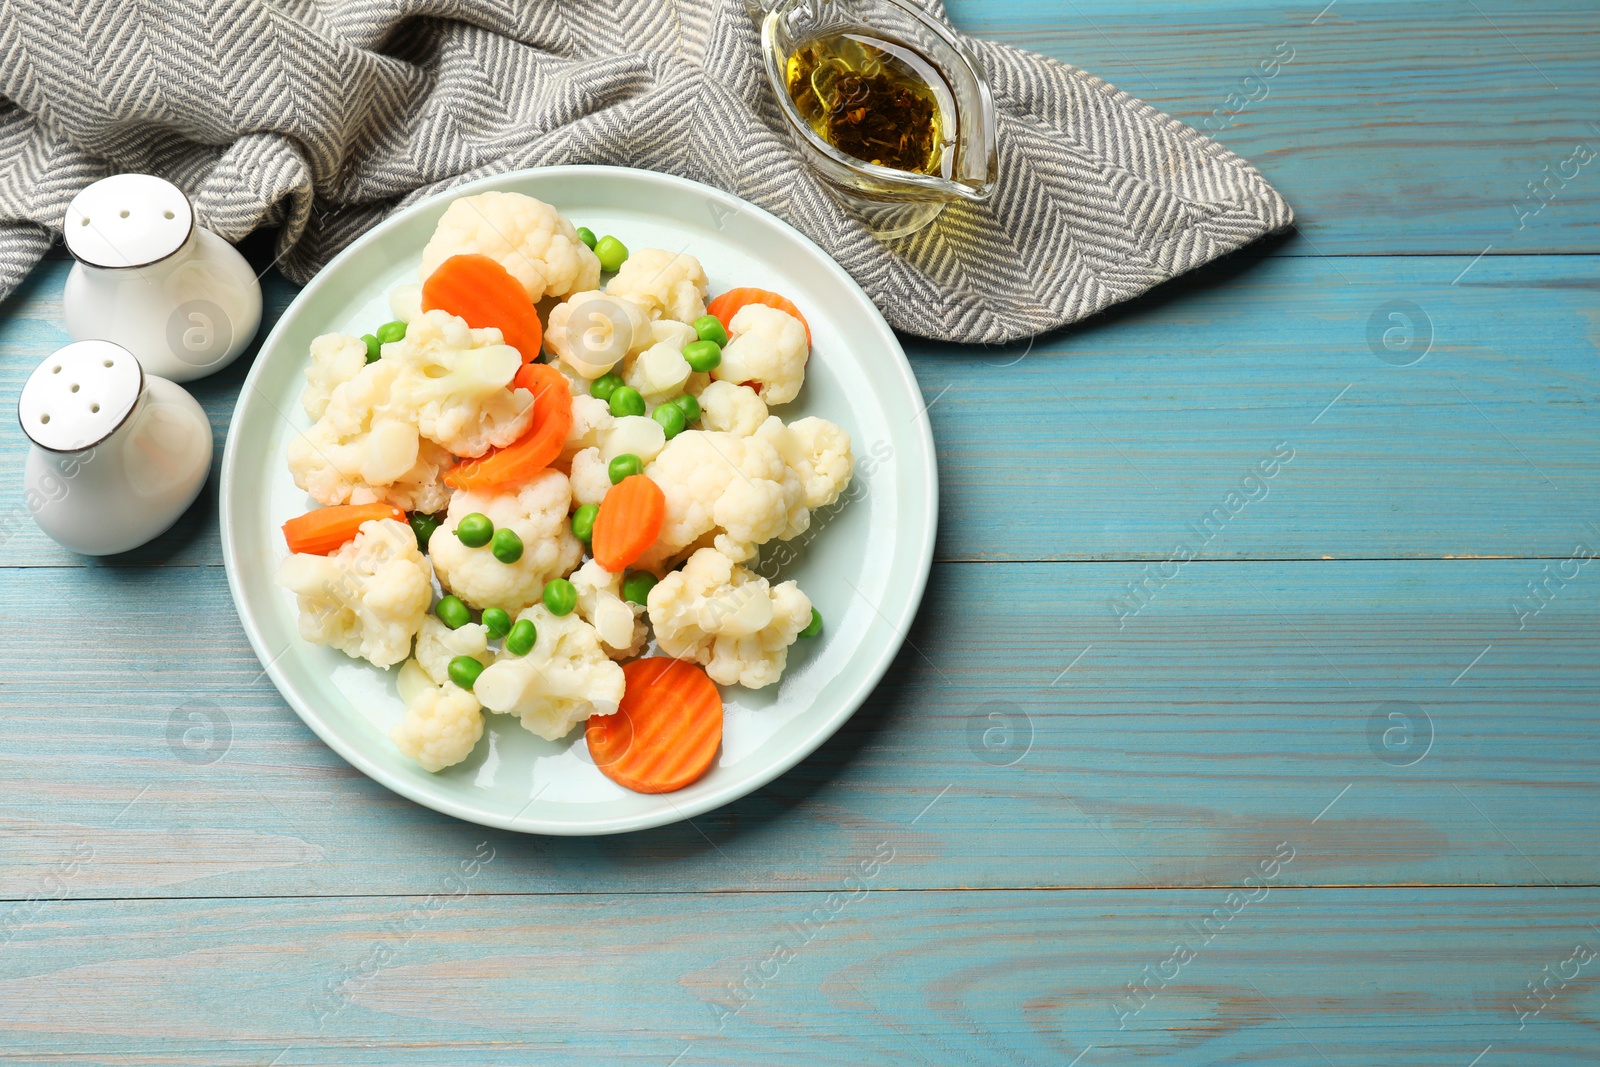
(117, 456)
(177, 296)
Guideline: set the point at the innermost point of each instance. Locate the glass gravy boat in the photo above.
(963, 164)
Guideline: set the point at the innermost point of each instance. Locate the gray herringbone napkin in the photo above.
(322, 116)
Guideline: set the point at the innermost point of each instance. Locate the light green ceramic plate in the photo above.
(863, 564)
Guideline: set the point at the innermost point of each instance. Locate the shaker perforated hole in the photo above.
(44, 418)
(167, 215)
(94, 409)
(84, 221)
(107, 363)
(74, 387)
(123, 213)
(55, 370)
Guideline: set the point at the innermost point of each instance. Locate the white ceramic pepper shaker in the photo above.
(177, 296)
(117, 455)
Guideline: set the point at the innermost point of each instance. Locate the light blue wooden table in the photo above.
(1326, 794)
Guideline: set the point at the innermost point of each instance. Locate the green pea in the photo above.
(689, 405)
(703, 356)
(390, 332)
(374, 349)
(423, 526)
(710, 328)
(453, 613)
(496, 621)
(605, 385)
(624, 466)
(475, 530)
(612, 252)
(583, 522)
(586, 235)
(560, 597)
(464, 671)
(814, 627)
(506, 545)
(521, 639)
(625, 400)
(636, 587)
(670, 416)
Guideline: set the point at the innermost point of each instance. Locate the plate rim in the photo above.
(844, 709)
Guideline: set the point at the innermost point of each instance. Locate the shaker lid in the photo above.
(127, 220)
(79, 395)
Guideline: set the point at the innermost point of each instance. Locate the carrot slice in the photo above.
(537, 377)
(481, 291)
(729, 304)
(325, 529)
(665, 733)
(535, 450)
(630, 518)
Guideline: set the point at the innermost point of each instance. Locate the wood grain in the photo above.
(869, 978)
(1111, 441)
(1164, 748)
(1382, 656)
(1400, 127)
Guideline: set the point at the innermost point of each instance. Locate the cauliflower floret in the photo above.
(341, 471)
(591, 418)
(666, 284)
(368, 597)
(335, 359)
(767, 346)
(405, 302)
(527, 237)
(453, 381)
(619, 624)
(732, 408)
(410, 680)
(381, 460)
(441, 727)
(560, 683)
(816, 450)
(636, 434)
(538, 513)
(591, 477)
(577, 384)
(437, 645)
(591, 332)
(390, 431)
(595, 429)
(728, 618)
(739, 488)
(660, 372)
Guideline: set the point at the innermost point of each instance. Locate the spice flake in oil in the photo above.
(872, 99)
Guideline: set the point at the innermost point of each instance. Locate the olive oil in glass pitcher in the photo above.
(872, 99)
(891, 109)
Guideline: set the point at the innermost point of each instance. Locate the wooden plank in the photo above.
(1115, 440)
(1050, 743)
(1390, 717)
(1430, 977)
(1108, 442)
(1394, 127)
